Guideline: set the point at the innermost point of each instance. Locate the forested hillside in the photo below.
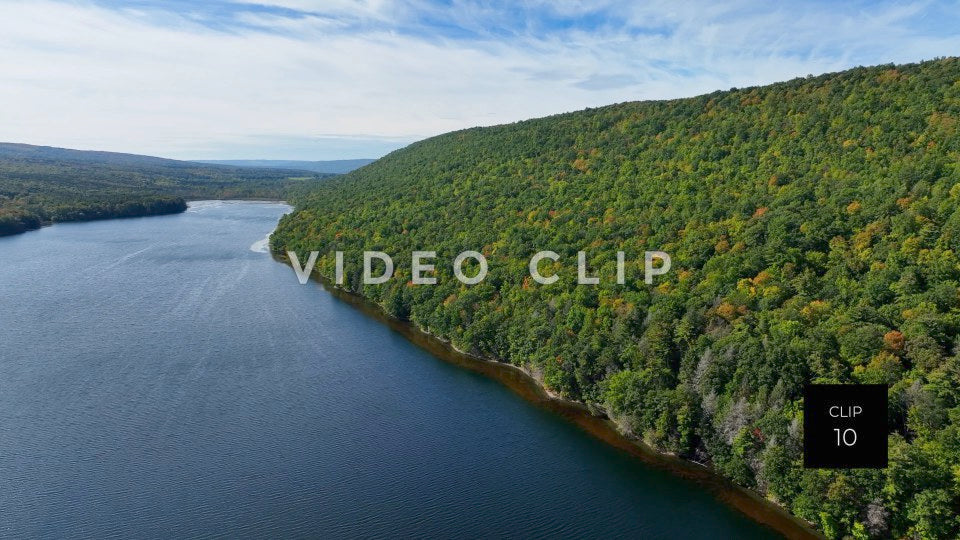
(814, 227)
(41, 185)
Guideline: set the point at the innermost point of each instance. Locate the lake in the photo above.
(165, 377)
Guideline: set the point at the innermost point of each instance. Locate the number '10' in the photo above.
(843, 437)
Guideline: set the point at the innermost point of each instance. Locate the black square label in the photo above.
(844, 426)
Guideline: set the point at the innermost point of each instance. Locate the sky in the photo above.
(339, 79)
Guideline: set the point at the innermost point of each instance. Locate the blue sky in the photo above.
(303, 79)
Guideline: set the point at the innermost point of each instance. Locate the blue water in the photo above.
(164, 377)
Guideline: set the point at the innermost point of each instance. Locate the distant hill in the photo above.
(814, 228)
(42, 184)
(336, 166)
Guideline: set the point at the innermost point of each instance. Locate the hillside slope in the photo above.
(814, 227)
(40, 184)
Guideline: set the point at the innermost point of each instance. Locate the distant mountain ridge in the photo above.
(9, 150)
(336, 166)
(21, 152)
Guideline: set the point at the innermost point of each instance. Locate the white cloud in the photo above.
(82, 75)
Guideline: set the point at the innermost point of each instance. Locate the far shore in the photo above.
(188, 201)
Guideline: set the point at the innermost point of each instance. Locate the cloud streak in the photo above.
(294, 79)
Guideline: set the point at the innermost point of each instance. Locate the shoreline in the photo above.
(242, 199)
(44, 224)
(523, 383)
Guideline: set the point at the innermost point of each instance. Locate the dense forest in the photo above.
(44, 185)
(814, 227)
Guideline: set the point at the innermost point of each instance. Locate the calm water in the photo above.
(164, 377)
